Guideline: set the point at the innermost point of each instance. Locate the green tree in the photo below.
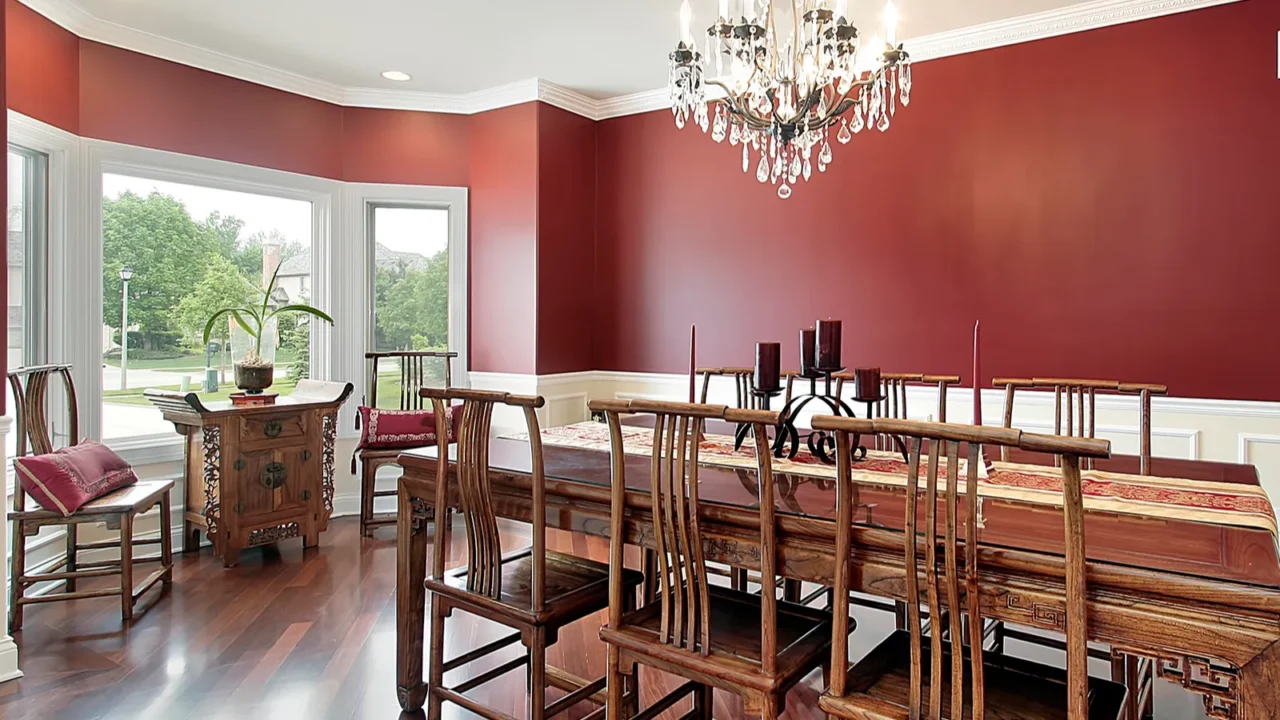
(414, 309)
(225, 231)
(221, 286)
(168, 252)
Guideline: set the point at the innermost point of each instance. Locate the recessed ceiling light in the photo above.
(397, 76)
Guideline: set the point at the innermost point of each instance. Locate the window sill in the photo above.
(153, 450)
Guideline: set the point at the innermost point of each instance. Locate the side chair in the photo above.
(533, 591)
(949, 674)
(413, 375)
(117, 510)
(716, 638)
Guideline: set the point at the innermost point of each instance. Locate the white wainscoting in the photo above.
(1224, 430)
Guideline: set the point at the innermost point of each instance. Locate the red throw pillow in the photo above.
(66, 479)
(402, 429)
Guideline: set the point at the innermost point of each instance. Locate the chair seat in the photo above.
(383, 453)
(575, 588)
(879, 685)
(803, 636)
(138, 496)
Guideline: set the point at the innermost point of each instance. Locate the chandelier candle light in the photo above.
(784, 95)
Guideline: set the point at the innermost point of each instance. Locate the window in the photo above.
(410, 262)
(172, 254)
(26, 225)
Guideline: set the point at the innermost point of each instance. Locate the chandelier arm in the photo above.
(740, 110)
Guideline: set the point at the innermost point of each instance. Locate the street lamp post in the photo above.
(126, 274)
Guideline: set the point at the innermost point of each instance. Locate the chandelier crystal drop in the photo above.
(787, 81)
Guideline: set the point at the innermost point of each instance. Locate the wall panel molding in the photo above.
(1037, 26)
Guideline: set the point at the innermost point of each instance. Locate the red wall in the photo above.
(504, 239)
(409, 148)
(42, 68)
(566, 241)
(135, 99)
(1105, 202)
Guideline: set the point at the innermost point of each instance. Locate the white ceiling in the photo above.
(602, 48)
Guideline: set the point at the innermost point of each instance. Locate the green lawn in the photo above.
(189, 362)
(283, 385)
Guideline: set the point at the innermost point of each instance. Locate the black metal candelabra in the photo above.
(765, 396)
(820, 443)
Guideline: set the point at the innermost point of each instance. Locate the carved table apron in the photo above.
(1216, 638)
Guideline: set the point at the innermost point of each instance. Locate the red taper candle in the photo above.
(977, 374)
(693, 360)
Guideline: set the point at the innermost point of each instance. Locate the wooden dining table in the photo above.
(1201, 599)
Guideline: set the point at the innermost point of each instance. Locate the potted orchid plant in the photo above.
(254, 335)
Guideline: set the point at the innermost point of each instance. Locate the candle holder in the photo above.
(897, 440)
(820, 443)
(765, 396)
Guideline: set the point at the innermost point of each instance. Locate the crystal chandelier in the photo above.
(783, 95)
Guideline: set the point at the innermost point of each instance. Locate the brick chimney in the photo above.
(270, 259)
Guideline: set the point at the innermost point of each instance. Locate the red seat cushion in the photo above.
(66, 479)
(399, 429)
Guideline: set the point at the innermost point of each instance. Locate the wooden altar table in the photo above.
(1201, 598)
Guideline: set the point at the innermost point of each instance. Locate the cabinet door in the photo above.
(272, 481)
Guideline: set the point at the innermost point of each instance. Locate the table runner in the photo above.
(1199, 501)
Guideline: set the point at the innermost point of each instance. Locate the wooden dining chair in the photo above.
(1075, 402)
(894, 390)
(117, 510)
(414, 374)
(532, 590)
(714, 637)
(907, 676)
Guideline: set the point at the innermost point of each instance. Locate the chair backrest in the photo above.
(944, 441)
(474, 490)
(893, 386)
(743, 383)
(1144, 391)
(414, 374)
(1075, 404)
(31, 408)
(673, 497)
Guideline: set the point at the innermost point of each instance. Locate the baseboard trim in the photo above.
(8, 660)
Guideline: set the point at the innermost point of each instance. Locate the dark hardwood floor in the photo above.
(303, 636)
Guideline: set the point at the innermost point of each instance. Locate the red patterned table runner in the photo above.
(1156, 497)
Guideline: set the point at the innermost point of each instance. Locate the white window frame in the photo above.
(85, 297)
(62, 150)
(356, 294)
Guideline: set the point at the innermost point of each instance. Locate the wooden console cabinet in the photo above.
(256, 475)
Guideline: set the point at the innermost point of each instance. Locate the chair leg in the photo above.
(166, 538)
(71, 556)
(738, 579)
(537, 674)
(436, 679)
(704, 702)
(769, 707)
(17, 567)
(126, 566)
(613, 708)
(367, 475)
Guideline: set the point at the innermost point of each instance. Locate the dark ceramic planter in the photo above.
(254, 380)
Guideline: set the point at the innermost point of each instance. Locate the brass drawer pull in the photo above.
(272, 428)
(274, 475)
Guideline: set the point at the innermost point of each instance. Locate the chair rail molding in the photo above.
(1025, 28)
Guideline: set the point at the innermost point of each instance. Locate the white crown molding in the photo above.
(1037, 26)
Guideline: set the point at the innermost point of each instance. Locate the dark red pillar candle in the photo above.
(828, 344)
(866, 384)
(808, 348)
(768, 366)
